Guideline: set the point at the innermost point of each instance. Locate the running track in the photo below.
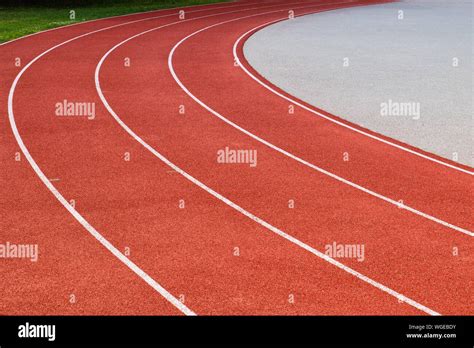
(182, 260)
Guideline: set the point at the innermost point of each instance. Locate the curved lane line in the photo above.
(238, 208)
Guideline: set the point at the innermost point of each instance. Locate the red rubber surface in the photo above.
(190, 251)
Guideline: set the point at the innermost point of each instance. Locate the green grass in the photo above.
(19, 21)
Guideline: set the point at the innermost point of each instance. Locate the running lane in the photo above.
(410, 253)
(212, 258)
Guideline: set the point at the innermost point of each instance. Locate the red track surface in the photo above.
(189, 251)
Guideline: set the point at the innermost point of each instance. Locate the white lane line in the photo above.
(142, 274)
(290, 155)
(241, 210)
(360, 131)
